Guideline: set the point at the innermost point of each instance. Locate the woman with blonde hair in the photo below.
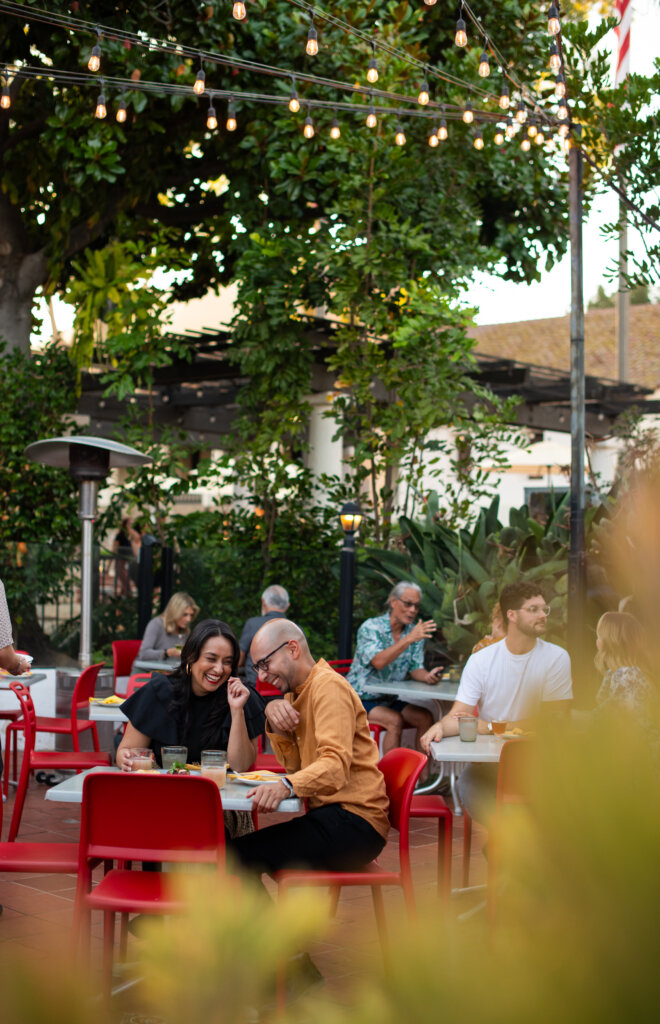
(167, 632)
(621, 657)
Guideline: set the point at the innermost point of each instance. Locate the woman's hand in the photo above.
(123, 761)
(237, 693)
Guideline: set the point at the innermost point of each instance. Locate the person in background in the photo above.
(167, 632)
(621, 658)
(390, 647)
(10, 661)
(497, 630)
(274, 605)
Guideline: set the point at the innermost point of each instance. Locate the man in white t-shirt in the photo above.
(513, 680)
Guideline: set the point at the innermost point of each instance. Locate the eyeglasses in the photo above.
(262, 664)
(536, 609)
(408, 604)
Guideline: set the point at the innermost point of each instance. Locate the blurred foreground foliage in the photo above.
(575, 938)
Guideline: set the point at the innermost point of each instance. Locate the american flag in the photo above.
(624, 10)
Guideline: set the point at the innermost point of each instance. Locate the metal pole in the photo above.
(576, 562)
(86, 514)
(145, 582)
(346, 587)
(167, 575)
(623, 295)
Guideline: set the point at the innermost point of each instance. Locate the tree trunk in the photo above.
(21, 272)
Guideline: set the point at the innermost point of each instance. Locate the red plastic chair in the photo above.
(171, 819)
(265, 762)
(72, 726)
(38, 858)
(341, 665)
(49, 760)
(136, 681)
(401, 768)
(10, 715)
(124, 653)
(429, 805)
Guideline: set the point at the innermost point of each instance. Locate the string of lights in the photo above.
(436, 108)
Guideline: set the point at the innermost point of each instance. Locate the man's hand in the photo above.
(434, 676)
(268, 798)
(422, 630)
(281, 716)
(237, 693)
(432, 735)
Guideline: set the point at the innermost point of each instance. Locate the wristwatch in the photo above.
(288, 785)
(489, 726)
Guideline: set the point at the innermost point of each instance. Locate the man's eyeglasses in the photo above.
(262, 664)
(536, 609)
(408, 604)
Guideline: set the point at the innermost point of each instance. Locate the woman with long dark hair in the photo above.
(201, 705)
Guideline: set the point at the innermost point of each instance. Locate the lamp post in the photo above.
(350, 517)
(89, 460)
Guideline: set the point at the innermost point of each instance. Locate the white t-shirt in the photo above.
(510, 687)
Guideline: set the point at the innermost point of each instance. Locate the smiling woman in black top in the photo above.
(201, 705)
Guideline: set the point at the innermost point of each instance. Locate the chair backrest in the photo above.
(124, 653)
(137, 680)
(151, 818)
(266, 690)
(84, 688)
(29, 715)
(341, 665)
(513, 773)
(401, 768)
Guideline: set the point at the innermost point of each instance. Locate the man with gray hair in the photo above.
(390, 647)
(274, 605)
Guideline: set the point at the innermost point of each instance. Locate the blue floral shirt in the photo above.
(373, 636)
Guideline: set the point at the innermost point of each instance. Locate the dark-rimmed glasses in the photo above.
(262, 664)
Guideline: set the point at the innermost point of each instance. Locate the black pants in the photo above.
(328, 837)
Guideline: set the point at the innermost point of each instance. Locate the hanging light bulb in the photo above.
(335, 130)
(563, 129)
(294, 102)
(101, 109)
(239, 12)
(531, 127)
(498, 138)
(371, 121)
(312, 47)
(521, 113)
(553, 19)
(539, 138)
(504, 100)
(121, 113)
(211, 118)
(430, 3)
(562, 110)
(554, 61)
(509, 130)
(230, 123)
(400, 137)
(468, 114)
(442, 130)
(5, 99)
(433, 137)
(372, 73)
(478, 140)
(461, 35)
(200, 81)
(484, 65)
(423, 96)
(560, 86)
(525, 145)
(94, 62)
(308, 128)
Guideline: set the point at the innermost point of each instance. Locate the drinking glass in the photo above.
(214, 766)
(141, 759)
(467, 728)
(169, 756)
(498, 727)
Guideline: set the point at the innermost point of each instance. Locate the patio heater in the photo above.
(89, 461)
(350, 517)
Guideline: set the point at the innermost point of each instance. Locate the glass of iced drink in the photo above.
(214, 766)
(141, 759)
(467, 728)
(498, 728)
(171, 756)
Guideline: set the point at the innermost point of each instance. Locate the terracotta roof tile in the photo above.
(547, 343)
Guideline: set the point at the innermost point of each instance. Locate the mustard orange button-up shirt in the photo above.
(331, 757)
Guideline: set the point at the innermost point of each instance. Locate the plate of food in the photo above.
(253, 778)
(194, 767)
(516, 733)
(112, 699)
